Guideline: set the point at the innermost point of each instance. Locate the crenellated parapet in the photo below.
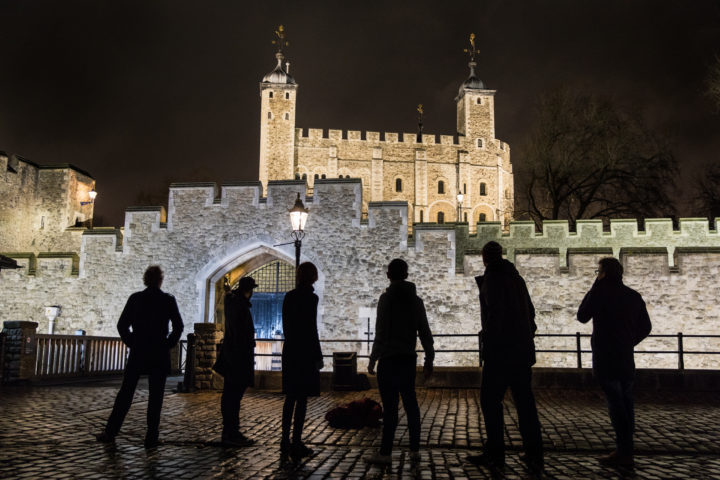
(622, 238)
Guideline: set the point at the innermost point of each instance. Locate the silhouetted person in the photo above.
(400, 319)
(620, 321)
(508, 352)
(236, 361)
(143, 326)
(302, 358)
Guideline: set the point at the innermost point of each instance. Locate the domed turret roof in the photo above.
(279, 75)
(472, 82)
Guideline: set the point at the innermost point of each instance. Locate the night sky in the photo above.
(144, 93)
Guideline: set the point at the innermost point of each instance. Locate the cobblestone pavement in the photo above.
(47, 432)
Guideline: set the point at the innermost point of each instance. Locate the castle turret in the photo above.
(475, 105)
(278, 94)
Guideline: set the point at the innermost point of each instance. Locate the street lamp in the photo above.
(460, 197)
(92, 194)
(298, 217)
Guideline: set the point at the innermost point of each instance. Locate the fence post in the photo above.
(681, 359)
(20, 351)
(480, 348)
(578, 346)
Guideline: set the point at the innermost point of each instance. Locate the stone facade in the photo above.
(395, 167)
(208, 232)
(41, 204)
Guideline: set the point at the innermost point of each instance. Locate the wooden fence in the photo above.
(78, 355)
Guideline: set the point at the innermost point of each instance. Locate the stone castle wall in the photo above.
(207, 233)
(40, 206)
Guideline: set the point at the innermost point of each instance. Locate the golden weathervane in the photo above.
(472, 50)
(280, 41)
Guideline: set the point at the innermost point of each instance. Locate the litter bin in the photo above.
(344, 371)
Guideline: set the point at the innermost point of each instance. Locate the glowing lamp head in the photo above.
(460, 197)
(298, 215)
(92, 194)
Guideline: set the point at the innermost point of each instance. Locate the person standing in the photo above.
(236, 361)
(400, 319)
(302, 359)
(620, 321)
(143, 326)
(508, 353)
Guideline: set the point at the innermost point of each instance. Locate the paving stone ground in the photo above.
(47, 432)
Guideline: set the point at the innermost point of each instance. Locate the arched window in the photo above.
(441, 187)
(287, 95)
(297, 176)
(322, 176)
(480, 143)
(441, 217)
(270, 95)
(483, 189)
(479, 100)
(482, 217)
(304, 177)
(421, 217)
(317, 176)
(398, 184)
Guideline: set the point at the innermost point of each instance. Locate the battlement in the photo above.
(47, 264)
(373, 138)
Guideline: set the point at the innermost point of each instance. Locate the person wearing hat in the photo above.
(236, 361)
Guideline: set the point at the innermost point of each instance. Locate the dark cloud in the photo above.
(144, 93)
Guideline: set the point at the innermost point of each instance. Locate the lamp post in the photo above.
(92, 194)
(298, 217)
(460, 197)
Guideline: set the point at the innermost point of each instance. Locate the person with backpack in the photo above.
(620, 322)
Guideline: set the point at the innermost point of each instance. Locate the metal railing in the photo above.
(78, 355)
(578, 349)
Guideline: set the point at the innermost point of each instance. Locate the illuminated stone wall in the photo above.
(208, 232)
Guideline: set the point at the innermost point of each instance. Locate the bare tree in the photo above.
(708, 192)
(713, 83)
(585, 158)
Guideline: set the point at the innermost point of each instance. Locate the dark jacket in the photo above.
(400, 320)
(143, 326)
(507, 316)
(620, 321)
(301, 353)
(237, 354)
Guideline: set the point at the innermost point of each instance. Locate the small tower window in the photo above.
(287, 116)
(483, 189)
(479, 100)
(297, 176)
(304, 177)
(269, 115)
(317, 176)
(464, 188)
(322, 176)
(441, 217)
(287, 95)
(465, 217)
(441, 187)
(421, 217)
(479, 143)
(398, 184)
(482, 217)
(270, 95)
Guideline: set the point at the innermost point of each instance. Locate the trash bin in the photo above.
(344, 371)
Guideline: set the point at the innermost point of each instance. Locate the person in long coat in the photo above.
(236, 361)
(302, 358)
(143, 326)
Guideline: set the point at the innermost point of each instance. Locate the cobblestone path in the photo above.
(47, 432)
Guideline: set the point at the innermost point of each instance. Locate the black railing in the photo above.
(681, 352)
